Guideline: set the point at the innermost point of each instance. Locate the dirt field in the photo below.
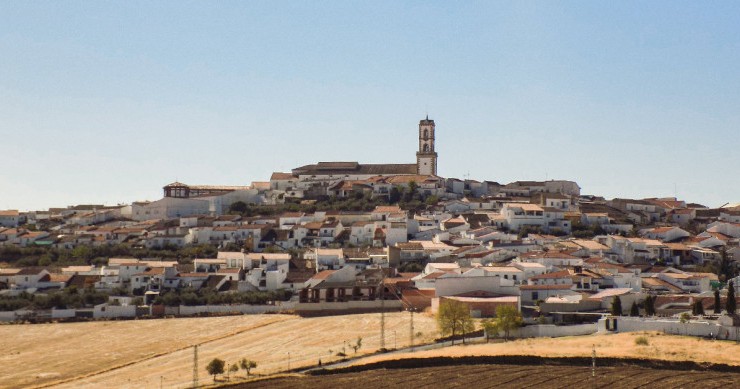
(135, 354)
(665, 347)
(508, 376)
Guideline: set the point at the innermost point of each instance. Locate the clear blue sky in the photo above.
(106, 102)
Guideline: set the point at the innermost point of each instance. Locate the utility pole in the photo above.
(195, 367)
(593, 365)
(288, 361)
(411, 330)
(382, 312)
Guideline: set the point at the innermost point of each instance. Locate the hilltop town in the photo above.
(346, 237)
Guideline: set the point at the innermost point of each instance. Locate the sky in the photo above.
(106, 102)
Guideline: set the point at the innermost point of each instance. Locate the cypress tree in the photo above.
(717, 304)
(697, 309)
(650, 305)
(634, 310)
(730, 305)
(617, 306)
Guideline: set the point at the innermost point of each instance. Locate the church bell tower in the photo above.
(426, 157)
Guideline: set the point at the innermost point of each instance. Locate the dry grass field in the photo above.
(660, 346)
(145, 353)
(135, 354)
(507, 376)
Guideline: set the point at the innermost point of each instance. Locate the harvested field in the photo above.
(507, 376)
(660, 346)
(136, 353)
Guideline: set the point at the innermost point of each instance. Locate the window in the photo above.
(535, 296)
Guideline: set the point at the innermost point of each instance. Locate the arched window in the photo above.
(426, 147)
(426, 134)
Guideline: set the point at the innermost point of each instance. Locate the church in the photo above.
(341, 178)
(426, 163)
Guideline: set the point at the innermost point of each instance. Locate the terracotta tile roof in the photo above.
(610, 293)
(193, 275)
(548, 254)
(344, 168)
(545, 287)
(323, 274)
(657, 283)
(59, 277)
(152, 272)
(278, 176)
(409, 246)
(292, 214)
(387, 209)
(30, 271)
(557, 274)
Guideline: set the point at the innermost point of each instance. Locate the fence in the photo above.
(553, 331)
(185, 310)
(674, 327)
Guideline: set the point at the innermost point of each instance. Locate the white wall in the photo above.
(672, 326)
(239, 308)
(550, 330)
(456, 285)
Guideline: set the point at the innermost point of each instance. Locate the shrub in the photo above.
(641, 341)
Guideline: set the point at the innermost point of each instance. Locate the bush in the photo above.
(642, 341)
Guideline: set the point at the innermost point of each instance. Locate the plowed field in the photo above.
(508, 376)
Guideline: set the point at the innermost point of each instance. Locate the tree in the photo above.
(650, 306)
(717, 303)
(697, 309)
(215, 367)
(491, 328)
(617, 306)
(634, 310)
(395, 195)
(452, 318)
(411, 191)
(233, 368)
(730, 305)
(247, 365)
(431, 200)
(726, 268)
(684, 318)
(357, 345)
(239, 207)
(508, 318)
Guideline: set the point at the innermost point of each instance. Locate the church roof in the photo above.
(343, 168)
(176, 184)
